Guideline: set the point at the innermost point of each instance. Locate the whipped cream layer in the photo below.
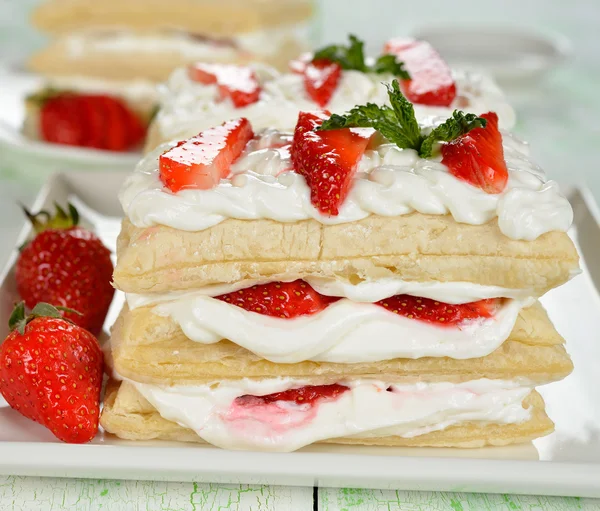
(189, 107)
(368, 409)
(390, 182)
(341, 332)
(344, 332)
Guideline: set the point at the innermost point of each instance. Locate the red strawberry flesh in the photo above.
(308, 395)
(90, 120)
(237, 83)
(290, 300)
(279, 299)
(53, 375)
(327, 159)
(478, 157)
(202, 161)
(431, 82)
(321, 79)
(439, 313)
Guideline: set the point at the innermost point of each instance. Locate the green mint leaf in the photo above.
(388, 64)
(348, 57)
(452, 128)
(405, 115)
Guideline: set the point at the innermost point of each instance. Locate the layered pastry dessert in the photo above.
(335, 77)
(118, 48)
(370, 278)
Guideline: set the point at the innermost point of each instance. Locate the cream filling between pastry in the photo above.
(369, 408)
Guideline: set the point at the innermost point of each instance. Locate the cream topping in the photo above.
(189, 107)
(389, 182)
(369, 409)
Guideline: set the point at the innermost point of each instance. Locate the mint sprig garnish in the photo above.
(352, 57)
(399, 125)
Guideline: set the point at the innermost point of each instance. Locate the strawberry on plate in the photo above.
(89, 120)
(478, 157)
(238, 83)
(202, 161)
(327, 159)
(66, 265)
(51, 372)
(431, 82)
(307, 395)
(442, 314)
(279, 299)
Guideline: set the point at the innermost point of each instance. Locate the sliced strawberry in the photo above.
(88, 120)
(431, 81)
(327, 159)
(202, 161)
(301, 396)
(440, 313)
(478, 157)
(321, 79)
(237, 83)
(95, 122)
(280, 299)
(61, 121)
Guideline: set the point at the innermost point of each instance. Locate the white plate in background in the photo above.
(564, 463)
(513, 56)
(14, 88)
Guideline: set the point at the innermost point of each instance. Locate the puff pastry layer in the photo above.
(128, 415)
(216, 18)
(96, 62)
(151, 349)
(415, 247)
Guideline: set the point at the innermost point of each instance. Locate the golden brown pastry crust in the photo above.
(151, 349)
(128, 415)
(215, 18)
(415, 247)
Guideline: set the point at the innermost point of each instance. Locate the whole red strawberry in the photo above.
(51, 372)
(66, 265)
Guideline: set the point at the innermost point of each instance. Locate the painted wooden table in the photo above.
(33, 494)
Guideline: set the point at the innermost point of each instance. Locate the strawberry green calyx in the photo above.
(18, 319)
(41, 97)
(62, 219)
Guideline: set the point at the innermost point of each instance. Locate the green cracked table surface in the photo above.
(33, 494)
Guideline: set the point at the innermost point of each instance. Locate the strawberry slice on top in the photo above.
(431, 82)
(327, 159)
(279, 299)
(238, 83)
(478, 157)
(202, 161)
(321, 80)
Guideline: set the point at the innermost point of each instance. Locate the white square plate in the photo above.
(564, 463)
